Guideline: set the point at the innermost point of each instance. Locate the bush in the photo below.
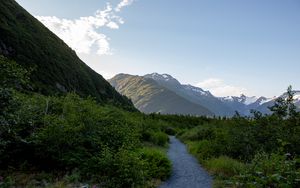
(224, 166)
(270, 171)
(158, 165)
(203, 149)
(159, 138)
(121, 169)
(199, 133)
(170, 131)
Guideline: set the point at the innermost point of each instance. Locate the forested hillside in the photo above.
(69, 141)
(55, 67)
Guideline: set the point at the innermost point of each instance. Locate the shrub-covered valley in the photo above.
(68, 140)
(74, 130)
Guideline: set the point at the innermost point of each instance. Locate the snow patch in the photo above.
(297, 97)
(196, 89)
(267, 100)
(228, 98)
(250, 100)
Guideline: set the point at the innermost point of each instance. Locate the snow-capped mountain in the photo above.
(171, 83)
(244, 104)
(198, 90)
(264, 106)
(220, 106)
(162, 78)
(192, 93)
(243, 99)
(156, 76)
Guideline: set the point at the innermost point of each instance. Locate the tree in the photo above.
(285, 107)
(12, 75)
(290, 102)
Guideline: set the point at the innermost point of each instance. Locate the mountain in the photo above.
(264, 107)
(193, 94)
(56, 67)
(149, 96)
(143, 96)
(243, 104)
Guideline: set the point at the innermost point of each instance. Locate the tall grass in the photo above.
(224, 166)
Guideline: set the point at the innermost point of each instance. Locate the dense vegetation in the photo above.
(262, 151)
(56, 67)
(68, 139)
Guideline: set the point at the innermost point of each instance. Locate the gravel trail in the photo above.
(186, 171)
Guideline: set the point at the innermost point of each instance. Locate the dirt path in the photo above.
(186, 173)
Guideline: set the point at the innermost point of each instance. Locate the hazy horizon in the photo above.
(229, 47)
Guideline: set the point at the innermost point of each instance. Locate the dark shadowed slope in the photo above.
(187, 173)
(56, 66)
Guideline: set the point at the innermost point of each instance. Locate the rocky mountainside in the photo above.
(193, 94)
(149, 96)
(220, 106)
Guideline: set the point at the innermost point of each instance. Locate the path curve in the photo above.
(186, 171)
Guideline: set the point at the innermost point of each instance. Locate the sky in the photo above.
(226, 46)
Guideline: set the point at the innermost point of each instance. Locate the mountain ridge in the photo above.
(150, 97)
(193, 94)
(220, 106)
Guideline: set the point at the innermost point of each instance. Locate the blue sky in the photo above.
(226, 46)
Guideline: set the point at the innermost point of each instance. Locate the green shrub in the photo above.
(121, 169)
(73, 177)
(80, 138)
(170, 131)
(203, 149)
(199, 133)
(157, 163)
(7, 182)
(224, 166)
(270, 171)
(159, 138)
(126, 170)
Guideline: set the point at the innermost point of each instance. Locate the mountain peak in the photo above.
(157, 76)
(197, 90)
(241, 99)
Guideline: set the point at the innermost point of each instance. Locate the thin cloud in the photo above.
(123, 4)
(83, 34)
(219, 88)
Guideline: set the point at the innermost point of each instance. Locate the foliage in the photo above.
(12, 75)
(259, 142)
(75, 139)
(67, 133)
(268, 170)
(224, 166)
(158, 165)
(159, 138)
(284, 107)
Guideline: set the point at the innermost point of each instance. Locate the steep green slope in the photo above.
(56, 66)
(148, 96)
